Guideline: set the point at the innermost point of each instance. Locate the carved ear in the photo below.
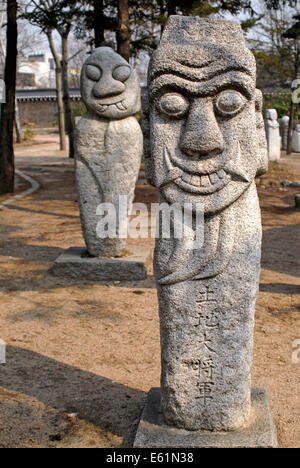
(262, 157)
(145, 125)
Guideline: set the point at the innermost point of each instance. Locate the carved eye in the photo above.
(121, 73)
(173, 105)
(229, 103)
(93, 73)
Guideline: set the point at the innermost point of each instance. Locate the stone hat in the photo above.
(201, 48)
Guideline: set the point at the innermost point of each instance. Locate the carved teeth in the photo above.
(103, 108)
(221, 173)
(235, 166)
(214, 178)
(205, 182)
(120, 106)
(187, 178)
(195, 180)
(173, 172)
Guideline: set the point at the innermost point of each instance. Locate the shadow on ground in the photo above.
(279, 256)
(279, 288)
(35, 253)
(47, 213)
(106, 404)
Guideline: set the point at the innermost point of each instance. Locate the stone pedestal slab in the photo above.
(259, 433)
(75, 263)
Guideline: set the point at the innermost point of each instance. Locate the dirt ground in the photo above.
(81, 356)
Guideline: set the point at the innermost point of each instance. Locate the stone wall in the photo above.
(40, 113)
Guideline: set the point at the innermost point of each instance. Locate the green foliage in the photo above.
(202, 9)
(78, 109)
(294, 31)
(28, 135)
(250, 23)
(281, 101)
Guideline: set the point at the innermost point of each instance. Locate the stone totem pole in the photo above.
(296, 139)
(109, 145)
(284, 131)
(207, 145)
(108, 151)
(273, 135)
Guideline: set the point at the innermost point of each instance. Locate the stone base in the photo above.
(74, 263)
(152, 432)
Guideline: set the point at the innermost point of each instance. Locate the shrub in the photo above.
(28, 135)
(78, 109)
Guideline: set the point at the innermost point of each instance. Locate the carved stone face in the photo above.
(206, 127)
(109, 86)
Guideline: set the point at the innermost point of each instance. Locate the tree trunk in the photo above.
(66, 95)
(162, 11)
(60, 107)
(123, 30)
(98, 22)
(17, 123)
(290, 129)
(7, 165)
(59, 94)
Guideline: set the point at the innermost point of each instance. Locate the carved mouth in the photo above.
(119, 105)
(198, 183)
(204, 183)
(201, 183)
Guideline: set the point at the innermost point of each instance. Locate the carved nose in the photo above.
(202, 135)
(107, 86)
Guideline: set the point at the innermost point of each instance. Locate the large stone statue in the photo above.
(207, 146)
(108, 146)
(273, 135)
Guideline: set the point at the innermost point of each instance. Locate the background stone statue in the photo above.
(207, 146)
(296, 139)
(273, 135)
(108, 144)
(284, 131)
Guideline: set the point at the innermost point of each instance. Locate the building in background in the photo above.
(36, 71)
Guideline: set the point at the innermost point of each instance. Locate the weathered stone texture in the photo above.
(207, 145)
(259, 433)
(75, 263)
(2, 352)
(207, 328)
(108, 144)
(296, 139)
(273, 135)
(284, 131)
